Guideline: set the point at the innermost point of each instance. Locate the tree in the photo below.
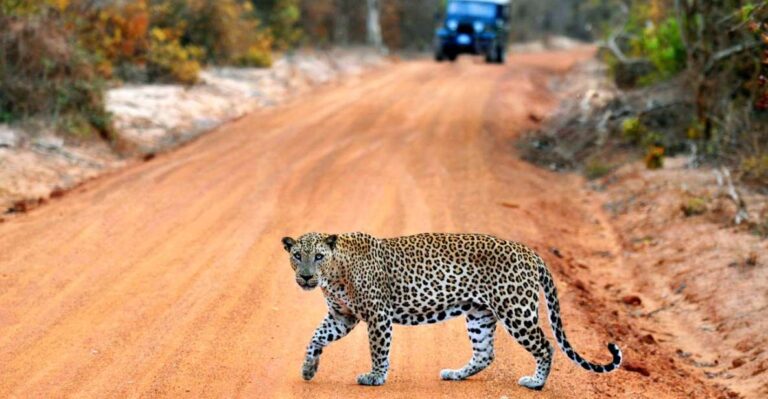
(373, 25)
(341, 23)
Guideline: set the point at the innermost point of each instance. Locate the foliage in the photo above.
(755, 169)
(56, 55)
(227, 30)
(167, 59)
(257, 55)
(653, 35)
(115, 35)
(168, 39)
(728, 73)
(654, 157)
(718, 53)
(694, 206)
(45, 71)
(635, 132)
(282, 17)
(595, 169)
(664, 47)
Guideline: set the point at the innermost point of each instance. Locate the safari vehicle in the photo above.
(473, 27)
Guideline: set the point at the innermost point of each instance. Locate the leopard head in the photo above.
(309, 256)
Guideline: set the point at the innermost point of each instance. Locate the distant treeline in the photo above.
(410, 24)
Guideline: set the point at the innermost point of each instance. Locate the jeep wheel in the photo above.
(501, 55)
(495, 55)
(489, 57)
(451, 56)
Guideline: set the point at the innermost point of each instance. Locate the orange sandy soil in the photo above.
(167, 279)
(700, 280)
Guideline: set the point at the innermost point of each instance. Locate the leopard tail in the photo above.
(553, 310)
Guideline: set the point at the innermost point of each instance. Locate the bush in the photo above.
(754, 169)
(45, 72)
(256, 56)
(167, 40)
(655, 44)
(168, 60)
(283, 18)
(115, 34)
(596, 169)
(632, 130)
(664, 47)
(694, 206)
(227, 30)
(56, 55)
(654, 157)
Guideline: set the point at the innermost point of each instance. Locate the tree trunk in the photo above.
(341, 23)
(374, 25)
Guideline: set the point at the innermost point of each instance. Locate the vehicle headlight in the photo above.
(479, 26)
(452, 24)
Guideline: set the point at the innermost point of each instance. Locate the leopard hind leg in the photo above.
(481, 326)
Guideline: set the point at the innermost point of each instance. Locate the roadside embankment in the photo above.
(37, 164)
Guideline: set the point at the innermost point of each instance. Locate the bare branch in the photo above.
(724, 176)
(611, 45)
(727, 53)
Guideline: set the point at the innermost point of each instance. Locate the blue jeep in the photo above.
(473, 27)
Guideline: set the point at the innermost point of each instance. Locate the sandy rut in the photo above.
(168, 279)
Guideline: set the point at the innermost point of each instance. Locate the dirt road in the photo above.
(168, 278)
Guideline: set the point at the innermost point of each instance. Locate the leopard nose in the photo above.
(306, 278)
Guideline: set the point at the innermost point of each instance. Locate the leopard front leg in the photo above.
(333, 327)
(379, 340)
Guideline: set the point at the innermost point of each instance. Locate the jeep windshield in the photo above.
(472, 9)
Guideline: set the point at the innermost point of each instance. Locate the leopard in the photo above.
(430, 278)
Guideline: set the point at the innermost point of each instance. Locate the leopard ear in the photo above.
(330, 241)
(288, 243)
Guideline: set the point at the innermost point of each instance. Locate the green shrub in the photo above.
(655, 37)
(22, 8)
(169, 60)
(283, 22)
(596, 169)
(633, 130)
(694, 206)
(227, 30)
(256, 56)
(664, 46)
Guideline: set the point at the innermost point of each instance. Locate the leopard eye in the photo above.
(318, 257)
(297, 256)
